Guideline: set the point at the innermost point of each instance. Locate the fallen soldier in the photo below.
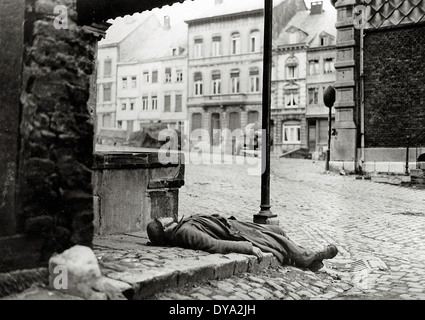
(216, 234)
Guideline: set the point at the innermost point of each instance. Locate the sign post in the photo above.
(329, 100)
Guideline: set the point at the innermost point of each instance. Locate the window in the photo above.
(179, 76)
(167, 103)
(179, 101)
(291, 68)
(107, 121)
(253, 116)
(216, 46)
(291, 99)
(132, 104)
(291, 132)
(254, 80)
(324, 41)
(123, 106)
(124, 83)
(174, 51)
(198, 83)
(313, 66)
(119, 124)
(196, 121)
(146, 76)
(234, 80)
(145, 103)
(155, 76)
(198, 48)
(216, 82)
(236, 43)
(328, 65)
(254, 45)
(313, 95)
(168, 75)
(106, 92)
(154, 102)
(293, 37)
(133, 82)
(107, 68)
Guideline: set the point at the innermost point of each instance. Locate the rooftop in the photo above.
(312, 25)
(230, 7)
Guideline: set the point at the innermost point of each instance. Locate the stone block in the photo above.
(76, 272)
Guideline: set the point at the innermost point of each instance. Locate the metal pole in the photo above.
(328, 152)
(265, 213)
(407, 156)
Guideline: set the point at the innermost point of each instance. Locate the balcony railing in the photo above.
(225, 98)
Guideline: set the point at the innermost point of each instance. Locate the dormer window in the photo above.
(293, 37)
(324, 41)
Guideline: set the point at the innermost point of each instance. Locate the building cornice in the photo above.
(225, 17)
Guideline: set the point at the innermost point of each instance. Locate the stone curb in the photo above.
(145, 285)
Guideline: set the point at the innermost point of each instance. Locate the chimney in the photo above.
(316, 7)
(166, 22)
(218, 2)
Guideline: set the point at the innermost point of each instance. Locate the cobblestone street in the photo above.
(378, 228)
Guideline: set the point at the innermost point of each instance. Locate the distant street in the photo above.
(378, 228)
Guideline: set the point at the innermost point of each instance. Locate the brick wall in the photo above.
(54, 209)
(394, 85)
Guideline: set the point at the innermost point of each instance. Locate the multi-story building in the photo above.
(303, 59)
(380, 92)
(107, 57)
(149, 80)
(225, 63)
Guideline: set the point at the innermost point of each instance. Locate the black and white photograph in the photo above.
(214, 157)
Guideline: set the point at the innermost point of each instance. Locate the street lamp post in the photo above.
(329, 100)
(265, 215)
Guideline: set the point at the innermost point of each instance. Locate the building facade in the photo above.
(225, 61)
(380, 118)
(303, 67)
(147, 83)
(107, 58)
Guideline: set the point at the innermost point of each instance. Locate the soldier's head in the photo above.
(158, 233)
(155, 231)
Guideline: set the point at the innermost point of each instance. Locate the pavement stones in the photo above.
(363, 218)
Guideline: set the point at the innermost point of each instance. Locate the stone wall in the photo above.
(394, 85)
(54, 190)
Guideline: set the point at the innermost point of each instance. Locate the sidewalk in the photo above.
(144, 270)
(139, 270)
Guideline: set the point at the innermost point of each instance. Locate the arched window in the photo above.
(236, 43)
(291, 65)
(196, 121)
(254, 41)
(253, 116)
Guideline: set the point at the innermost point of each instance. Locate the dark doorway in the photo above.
(234, 121)
(215, 127)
